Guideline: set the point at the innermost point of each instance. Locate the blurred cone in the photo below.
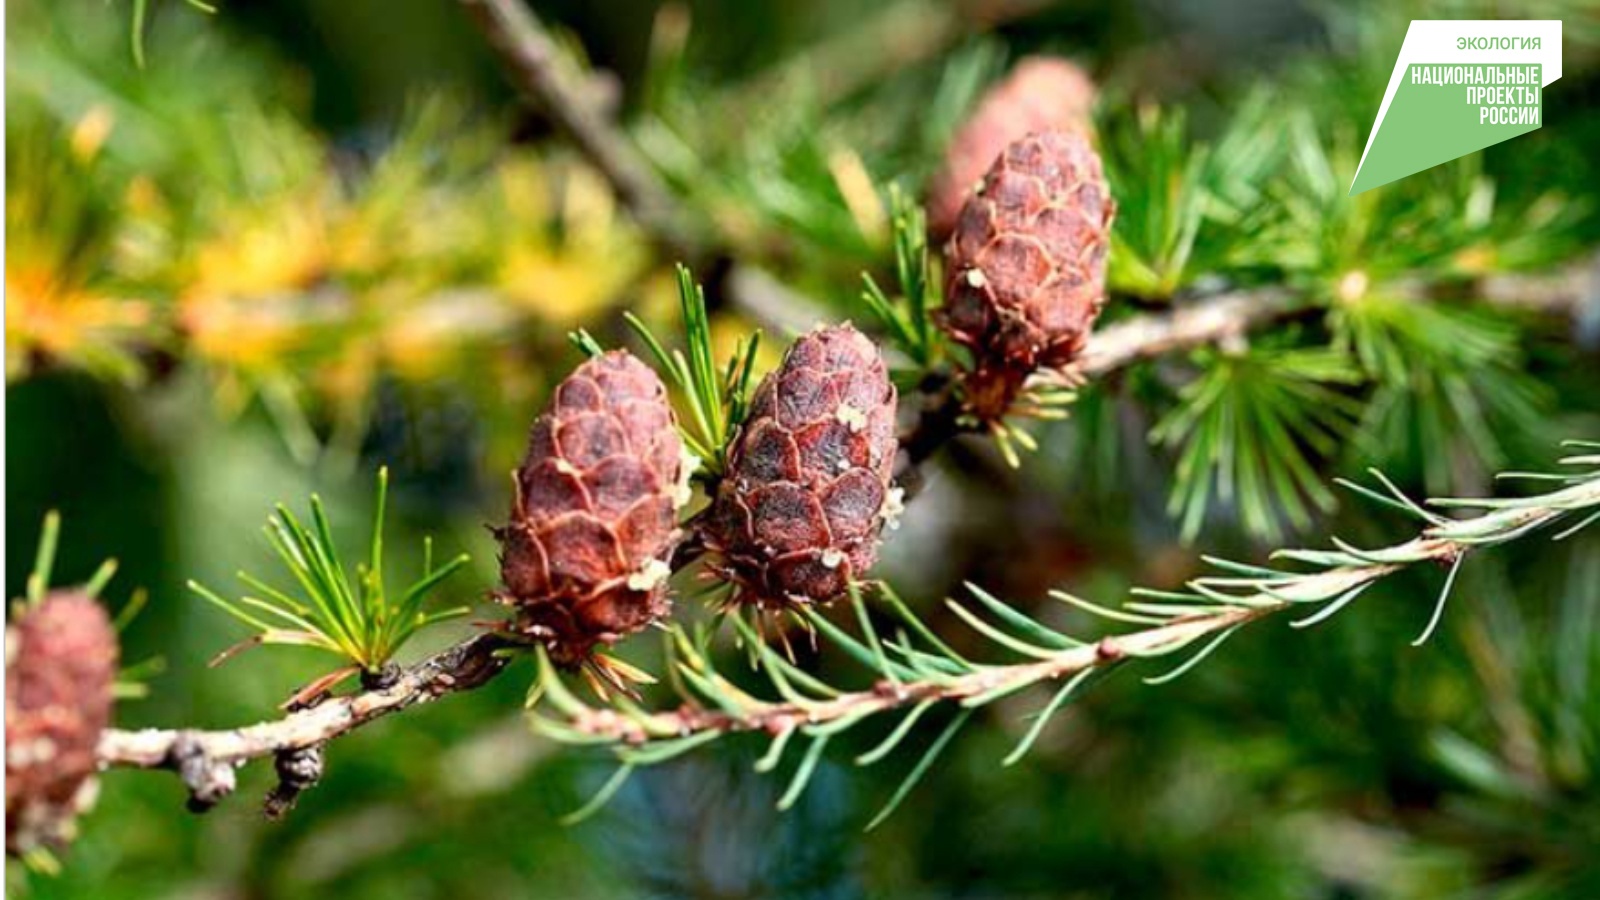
(1042, 93)
(61, 661)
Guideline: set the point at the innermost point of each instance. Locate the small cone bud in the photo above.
(808, 486)
(1043, 93)
(61, 661)
(585, 557)
(1025, 270)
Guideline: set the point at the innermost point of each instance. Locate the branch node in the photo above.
(299, 770)
(1108, 650)
(382, 678)
(208, 780)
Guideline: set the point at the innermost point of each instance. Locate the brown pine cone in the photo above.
(1043, 93)
(1025, 270)
(585, 556)
(807, 490)
(61, 660)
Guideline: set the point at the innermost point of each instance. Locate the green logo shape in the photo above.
(1445, 111)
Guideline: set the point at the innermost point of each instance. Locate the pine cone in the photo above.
(807, 490)
(61, 660)
(585, 556)
(1025, 270)
(1043, 93)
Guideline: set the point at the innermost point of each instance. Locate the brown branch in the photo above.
(890, 39)
(1233, 602)
(1210, 321)
(1573, 291)
(535, 64)
(1113, 347)
(775, 718)
(537, 67)
(206, 760)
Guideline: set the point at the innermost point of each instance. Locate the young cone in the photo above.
(1025, 270)
(61, 661)
(584, 558)
(1043, 93)
(808, 489)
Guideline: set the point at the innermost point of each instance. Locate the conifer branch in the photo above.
(534, 64)
(1573, 291)
(908, 677)
(778, 717)
(893, 38)
(1113, 347)
(1210, 321)
(205, 760)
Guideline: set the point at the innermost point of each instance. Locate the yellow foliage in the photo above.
(57, 305)
(90, 134)
(280, 246)
(294, 278)
(429, 337)
(245, 301)
(62, 321)
(567, 256)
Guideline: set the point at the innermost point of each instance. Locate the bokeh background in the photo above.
(310, 237)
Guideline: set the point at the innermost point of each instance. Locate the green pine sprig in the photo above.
(1186, 208)
(349, 614)
(716, 399)
(1249, 431)
(907, 318)
(1445, 378)
(37, 585)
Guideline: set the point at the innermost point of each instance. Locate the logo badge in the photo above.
(1458, 87)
